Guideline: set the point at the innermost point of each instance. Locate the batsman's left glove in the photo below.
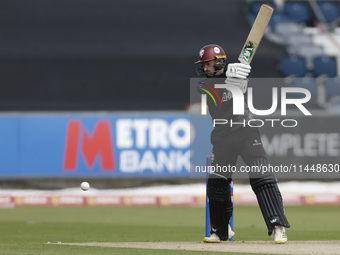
(241, 83)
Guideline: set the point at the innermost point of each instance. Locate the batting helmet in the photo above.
(210, 52)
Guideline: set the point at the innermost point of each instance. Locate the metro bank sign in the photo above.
(127, 146)
(90, 146)
(95, 145)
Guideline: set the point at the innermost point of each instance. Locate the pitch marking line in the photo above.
(291, 247)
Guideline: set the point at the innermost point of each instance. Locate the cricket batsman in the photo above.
(229, 142)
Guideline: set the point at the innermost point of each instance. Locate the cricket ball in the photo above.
(84, 186)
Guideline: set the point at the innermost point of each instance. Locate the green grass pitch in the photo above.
(28, 230)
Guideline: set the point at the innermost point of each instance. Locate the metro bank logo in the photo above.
(128, 146)
(99, 144)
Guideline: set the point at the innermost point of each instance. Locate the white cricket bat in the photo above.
(255, 35)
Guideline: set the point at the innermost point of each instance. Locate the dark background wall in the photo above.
(114, 55)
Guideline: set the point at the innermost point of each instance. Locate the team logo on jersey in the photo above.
(226, 96)
(256, 142)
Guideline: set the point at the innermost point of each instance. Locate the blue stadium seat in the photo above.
(325, 66)
(293, 66)
(332, 87)
(330, 10)
(278, 17)
(297, 11)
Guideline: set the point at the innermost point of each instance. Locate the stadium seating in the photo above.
(325, 66)
(293, 66)
(277, 18)
(298, 11)
(308, 83)
(330, 10)
(308, 52)
(332, 87)
(309, 31)
(299, 39)
(287, 28)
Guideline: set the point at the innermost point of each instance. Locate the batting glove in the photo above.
(242, 84)
(238, 70)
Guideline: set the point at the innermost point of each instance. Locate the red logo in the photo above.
(99, 144)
